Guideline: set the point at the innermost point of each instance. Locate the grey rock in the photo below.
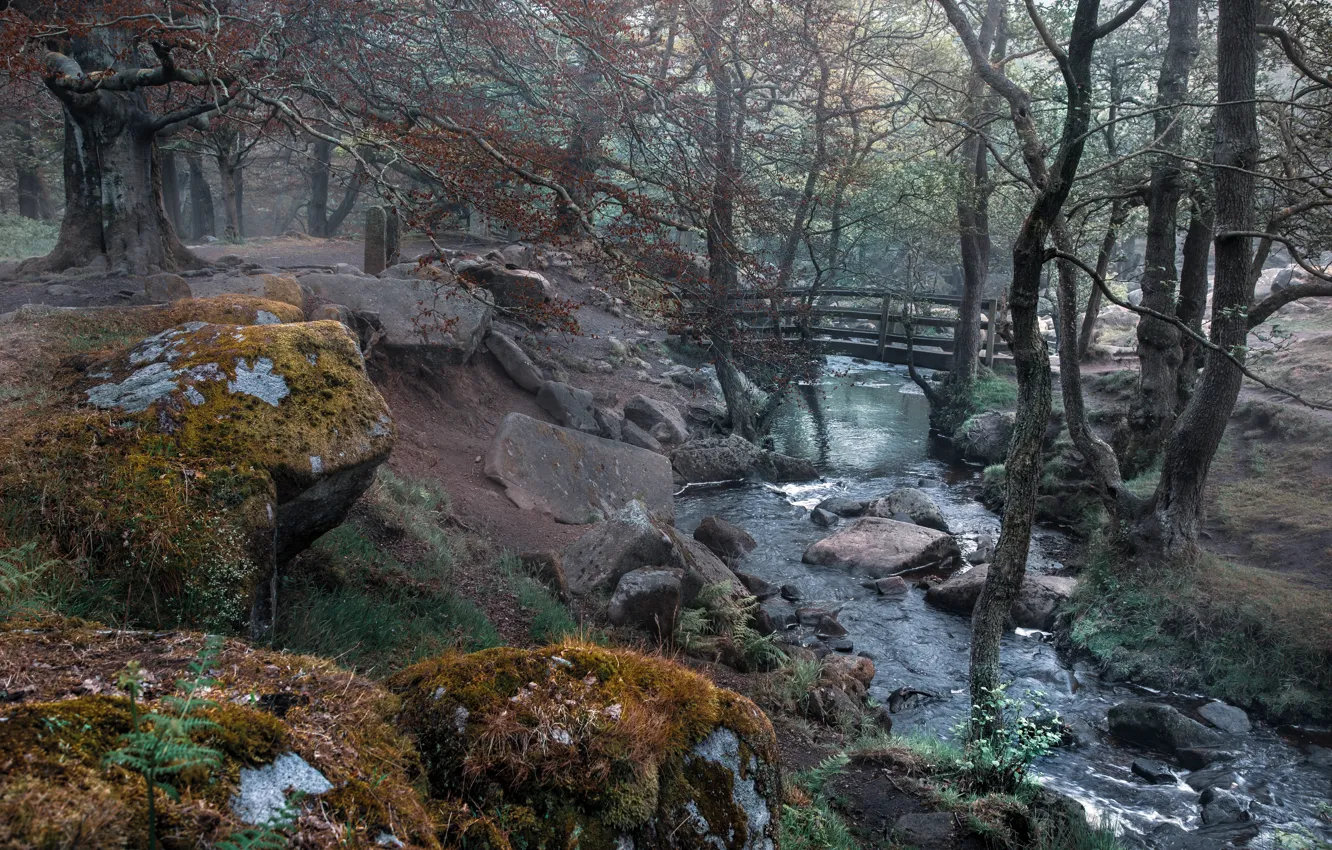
(925, 829)
(1197, 758)
(1158, 727)
(823, 621)
(894, 586)
(774, 615)
(569, 406)
(752, 790)
(573, 476)
(434, 319)
(629, 540)
(1220, 806)
(914, 503)
(984, 437)
(648, 414)
(790, 593)
(517, 289)
(842, 507)
(757, 587)
(1213, 777)
(1039, 597)
(1153, 771)
(262, 793)
(984, 550)
(609, 423)
(733, 458)
(881, 547)
(635, 436)
(822, 518)
(775, 466)
(702, 568)
(648, 599)
(842, 644)
(728, 541)
(1227, 718)
(515, 362)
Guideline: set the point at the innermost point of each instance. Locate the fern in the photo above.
(160, 744)
(18, 579)
(718, 613)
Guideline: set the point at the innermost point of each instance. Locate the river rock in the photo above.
(914, 503)
(882, 547)
(573, 476)
(702, 568)
(894, 586)
(1158, 727)
(1197, 758)
(790, 593)
(648, 599)
(434, 319)
(1221, 806)
(515, 362)
(774, 615)
(635, 436)
(757, 587)
(823, 621)
(822, 518)
(628, 540)
(1039, 597)
(658, 418)
(732, 458)
(984, 550)
(730, 542)
(984, 437)
(1153, 771)
(859, 668)
(1213, 777)
(569, 406)
(1227, 718)
(842, 507)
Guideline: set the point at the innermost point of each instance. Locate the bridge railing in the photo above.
(932, 350)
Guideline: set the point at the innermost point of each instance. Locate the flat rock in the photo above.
(263, 790)
(757, 587)
(1158, 727)
(575, 477)
(881, 547)
(894, 586)
(1227, 718)
(1153, 771)
(635, 436)
(822, 518)
(842, 507)
(433, 318)
(1039, 597)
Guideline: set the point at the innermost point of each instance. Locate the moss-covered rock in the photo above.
(63, 713)
(183, 471)
(576, 745)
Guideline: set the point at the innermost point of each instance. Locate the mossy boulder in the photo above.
(63, 713)
(183, 471)
(577, 745)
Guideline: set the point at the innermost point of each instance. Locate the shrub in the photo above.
(22, 237)
(1016, 734)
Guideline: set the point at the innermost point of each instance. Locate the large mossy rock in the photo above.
(186, 469)
(577, 745)
(64, 712)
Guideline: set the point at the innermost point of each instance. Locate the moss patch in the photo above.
(576, 744)
(51, 745)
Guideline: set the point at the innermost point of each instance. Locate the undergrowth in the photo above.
(718, 625)
(22, 237)
(551, 621)
(1217, 628)
(376, 593)
(808, 819)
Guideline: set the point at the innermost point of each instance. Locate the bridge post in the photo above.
(883, 326)
(992, 326)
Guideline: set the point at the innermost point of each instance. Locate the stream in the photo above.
(867, 429)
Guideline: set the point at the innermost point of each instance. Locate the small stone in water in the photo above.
(823, 518)
(841, 645)
(790, 593)
(1153, 771)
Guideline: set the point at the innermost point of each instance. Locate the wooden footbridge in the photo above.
(871, 324)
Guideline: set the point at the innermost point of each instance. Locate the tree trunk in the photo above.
(1193, 289)
(34, 201)
(1118, 214)
(201, 201)
(1171, 529)
(113, 192)
(170, 188)
(229, 177)
(800, 217)
(1158, 341)
(316, 213)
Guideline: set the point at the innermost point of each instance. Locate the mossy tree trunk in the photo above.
(1171, 528)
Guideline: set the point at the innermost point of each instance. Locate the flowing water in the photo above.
(867, 430)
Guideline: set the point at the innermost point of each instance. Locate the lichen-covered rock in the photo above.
(197, 462)
(226, 310)
(576, 745)
(64, 713)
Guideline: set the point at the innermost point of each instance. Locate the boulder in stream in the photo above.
(732, 458)
(882, 547)
(842, 507)
(1227, 718)
(1160, 727)
(1039, 597)
(914, 503)
(727, 540)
